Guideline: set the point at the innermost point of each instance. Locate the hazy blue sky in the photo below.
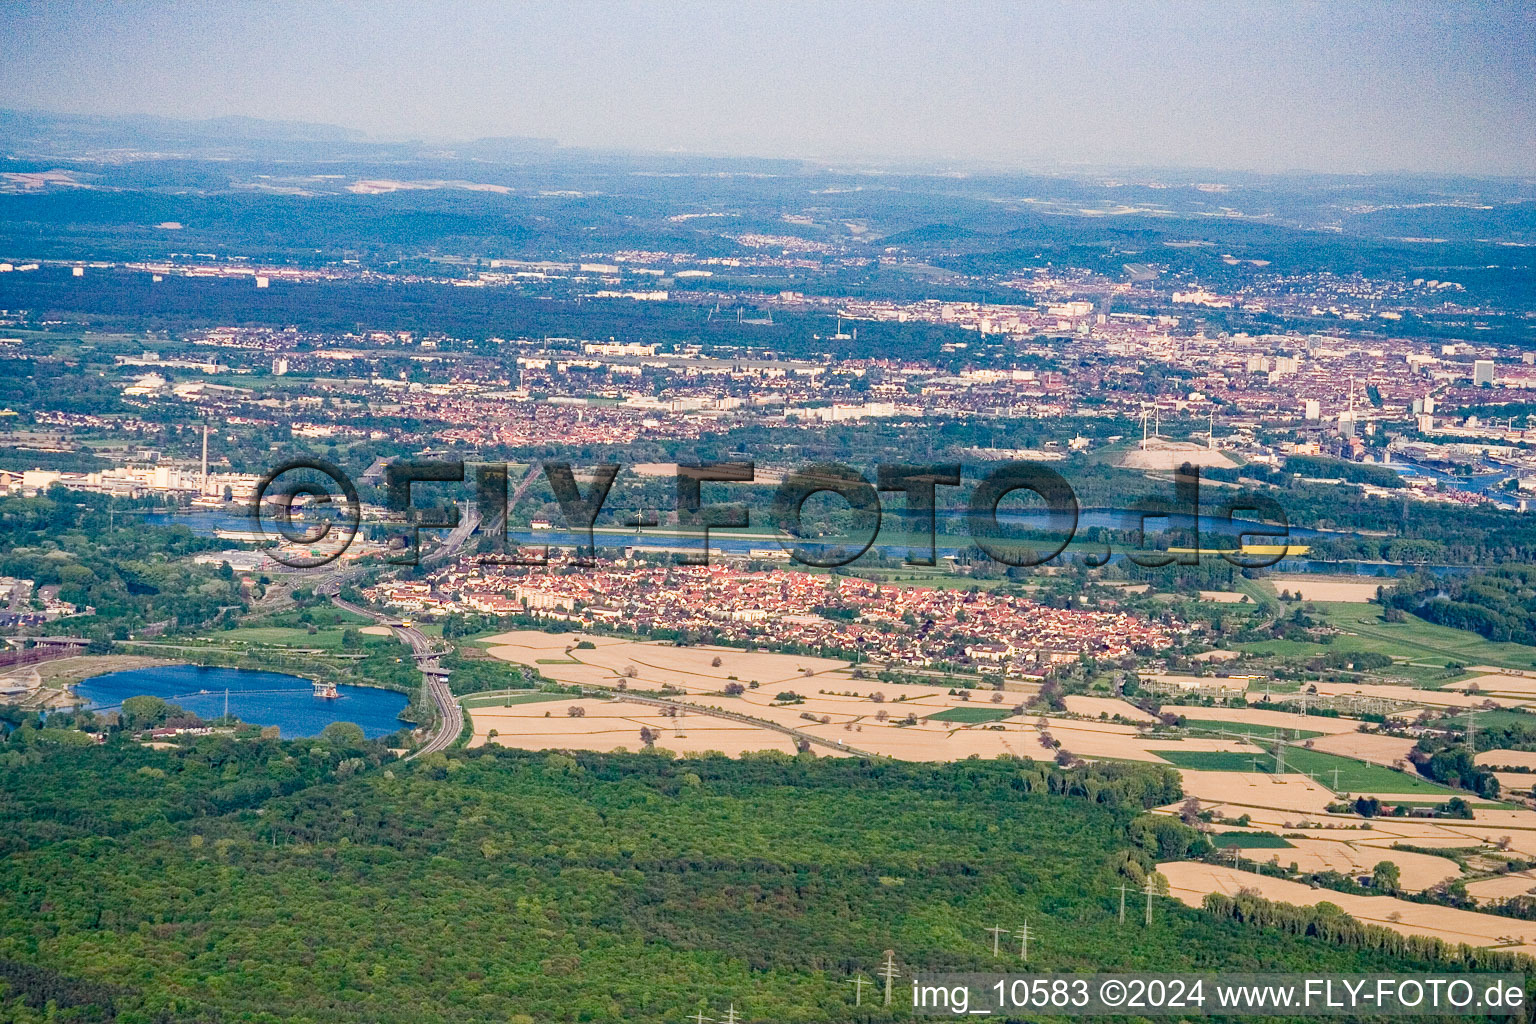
(1268, 86)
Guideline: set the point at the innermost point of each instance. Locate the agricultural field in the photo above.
(1359, 778)
(1417, 871)
(781, 701)
(1249, 841)
(1354, 777)
(1360, 746)
(1501, 718)
(821, 700)
(971, 716)
(511, 698)
(1243, 728)
(1109, 707)
(1502, 684)
(1502, 887)
(1327, 589)
(1509, 759)
(1413, 640)
(608, 726)
(1216, 761)
(1189, 881)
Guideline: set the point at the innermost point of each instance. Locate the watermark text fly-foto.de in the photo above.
(290, 493)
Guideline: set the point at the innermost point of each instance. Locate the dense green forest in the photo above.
(1499, 604)
(268, 881)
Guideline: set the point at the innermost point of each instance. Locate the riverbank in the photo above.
(50, 682)
(311, 668)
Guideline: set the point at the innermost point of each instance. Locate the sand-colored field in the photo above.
(1502, 887)
(1515, 783)
(1509, 759)
(1383, 750)
(1353, 852)
(1517, 829)
(1500, 683)
(1334, 589)
(1078, 704)
(1223, 597)
(376, 631)
(1496, 670)
(914, 744)
(1504, 817)
(1417, 871)
(1189, 881)
(1259, 716)
(1216, 655)
(932, 740)
(610, 725)
(864, 714)
(538, 640)
(1294, 794)
(822, 698)
(653, 665)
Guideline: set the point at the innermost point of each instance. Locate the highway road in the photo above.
(434, 678)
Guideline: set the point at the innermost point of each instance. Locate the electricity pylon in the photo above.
(888, 972)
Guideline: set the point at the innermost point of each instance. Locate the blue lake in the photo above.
(260, 698)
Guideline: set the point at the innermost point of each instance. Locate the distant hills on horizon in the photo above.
(36, 134)
(42, 134)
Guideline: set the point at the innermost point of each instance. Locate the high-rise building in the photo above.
(1482, 373)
